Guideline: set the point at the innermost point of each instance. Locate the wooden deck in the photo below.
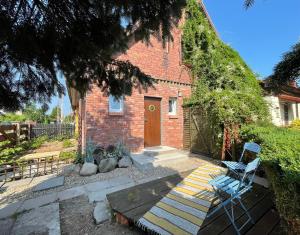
(133, 203)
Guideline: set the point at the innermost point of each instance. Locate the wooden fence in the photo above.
(14, 133)
(31, 168)
(200, 135)
(18, 132)
(53, 130)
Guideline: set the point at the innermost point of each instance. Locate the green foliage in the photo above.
(12, 117)
(295, 124)
(9, 154)
(67, 143)
(90, 149)
(280, 158)
(30, 113)
(79, 158)
(39, 39)
(226, 89)
(68, 155)
(54, 113)
(68, 119)
(288, 69)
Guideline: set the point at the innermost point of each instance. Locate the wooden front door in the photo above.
(152, 122)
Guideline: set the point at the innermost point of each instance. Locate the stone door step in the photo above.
(153, 158)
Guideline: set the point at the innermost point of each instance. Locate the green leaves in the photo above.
(225, 86)
(80, 39)
(281, 160)
(288, 69)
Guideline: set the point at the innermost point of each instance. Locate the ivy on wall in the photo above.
(225, 87)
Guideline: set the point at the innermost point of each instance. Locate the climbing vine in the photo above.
(226, 90)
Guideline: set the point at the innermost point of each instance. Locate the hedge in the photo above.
(281, 160)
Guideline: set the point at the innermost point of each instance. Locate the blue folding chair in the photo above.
(229, 191)
(237, 167)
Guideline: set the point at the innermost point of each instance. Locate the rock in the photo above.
(88, 169)
(101, 212)
(77, 168)
(107, 165)
(125, 162)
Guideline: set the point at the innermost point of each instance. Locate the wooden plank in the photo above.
(256, 213)
(277, 230)
(128, 199)
(219, 222)
(7, 127)
(266, 224)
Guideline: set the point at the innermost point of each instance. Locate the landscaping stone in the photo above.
(121, 180)
(6, 226)
(71, 193)
(107, 165)
(38, 201)
(10, 209)
(101, 212)
(125, 162)
(50, 183)
(98, 196)
(97, 186)
(88, 169)
(43, 220)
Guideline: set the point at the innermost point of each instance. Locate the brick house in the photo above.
(149, 117)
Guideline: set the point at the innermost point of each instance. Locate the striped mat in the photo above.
(183, 210)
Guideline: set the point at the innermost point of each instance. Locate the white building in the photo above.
(284, 104)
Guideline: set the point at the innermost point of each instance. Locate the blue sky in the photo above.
(260, 34)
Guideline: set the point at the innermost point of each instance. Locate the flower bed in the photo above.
(281, 160)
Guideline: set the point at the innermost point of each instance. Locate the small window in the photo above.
(172, 106)
(116, 105)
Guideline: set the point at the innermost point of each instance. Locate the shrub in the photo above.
(68, 155)
(13, 153)
(295, 124)
(281, 159)
(67, 143)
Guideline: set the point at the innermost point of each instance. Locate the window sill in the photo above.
(173, 116)
(115, 113)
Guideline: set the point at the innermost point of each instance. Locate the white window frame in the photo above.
(120, 100)
(174, 106)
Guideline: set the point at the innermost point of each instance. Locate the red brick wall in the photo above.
(160, 63)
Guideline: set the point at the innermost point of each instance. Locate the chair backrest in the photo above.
(252, 147)
(248, 174)
(250, 169)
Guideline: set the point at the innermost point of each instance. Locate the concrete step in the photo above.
(158, 150)
(147, 161)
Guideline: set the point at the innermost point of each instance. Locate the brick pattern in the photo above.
(161, 63)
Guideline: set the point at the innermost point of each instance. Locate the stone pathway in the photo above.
(50, 183)
(30, 213)
(12, 215)
(43, 220)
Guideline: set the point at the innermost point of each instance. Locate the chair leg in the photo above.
(231, 218)
(245, 209)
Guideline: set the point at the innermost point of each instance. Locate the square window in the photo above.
(115, 104)
(172, 106)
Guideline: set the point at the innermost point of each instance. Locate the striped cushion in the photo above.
(184, 208)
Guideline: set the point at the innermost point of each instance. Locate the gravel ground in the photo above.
(22, 189)
(76, 217)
